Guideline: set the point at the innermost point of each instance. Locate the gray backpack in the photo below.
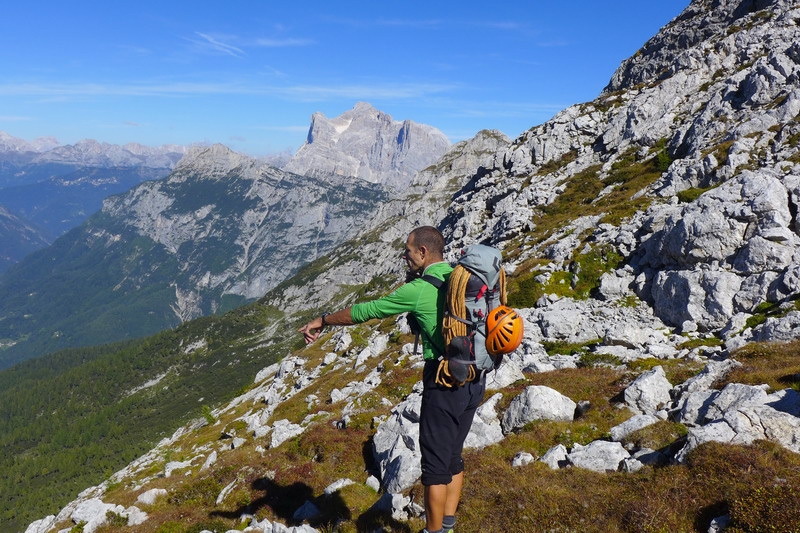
(476, 287)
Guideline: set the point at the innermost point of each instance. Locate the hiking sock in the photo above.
(448, 523)
(437, 531)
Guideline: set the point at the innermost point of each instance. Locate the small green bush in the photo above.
(591, 360)
(210, 418)
(691, 194)
(567, 348)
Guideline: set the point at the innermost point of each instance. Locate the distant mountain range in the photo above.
(51, 188)
(222, 229)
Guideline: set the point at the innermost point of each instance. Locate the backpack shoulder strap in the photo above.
(433, 280)
(438, 283)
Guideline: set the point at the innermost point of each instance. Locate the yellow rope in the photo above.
(502, 286)
(457, 305)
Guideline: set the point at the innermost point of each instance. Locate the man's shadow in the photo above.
(285, 500)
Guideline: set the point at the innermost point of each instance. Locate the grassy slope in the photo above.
(758, 485)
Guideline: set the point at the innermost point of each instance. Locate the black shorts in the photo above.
(445, 420)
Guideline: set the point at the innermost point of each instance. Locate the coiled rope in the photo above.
(457, 305)
(452, 327)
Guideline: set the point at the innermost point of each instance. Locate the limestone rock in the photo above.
(537, 403)
(556, 457)
(522, 459)
(149, 497)
(600, 456)
(635, 423)
(649, 392)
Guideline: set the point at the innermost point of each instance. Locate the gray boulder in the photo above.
(43, 525)
(634, 423)
(599, 456)
(744, 425)
(93, 512)
(149, 497)
(556, 457)
(537, 403)
(649, 392)
(486, 428)
(522, 459)
(395, 445)
(712, 372)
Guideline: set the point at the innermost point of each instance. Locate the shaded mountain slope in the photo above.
(218, 232)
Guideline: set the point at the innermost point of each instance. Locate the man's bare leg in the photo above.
(441, 500)
(454, 494)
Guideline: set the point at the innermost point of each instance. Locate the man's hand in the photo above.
(312, 330)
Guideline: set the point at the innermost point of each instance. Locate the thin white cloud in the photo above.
(215, 45)
(282, 43)
(12, 118)
(295, 92)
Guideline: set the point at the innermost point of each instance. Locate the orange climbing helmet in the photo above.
(504, 331)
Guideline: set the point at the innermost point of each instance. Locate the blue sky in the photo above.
(250, 74)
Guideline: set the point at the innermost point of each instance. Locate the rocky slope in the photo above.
(368, 144)
(654, 224)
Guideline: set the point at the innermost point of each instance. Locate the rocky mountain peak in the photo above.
(678, 45)
(9, 143)
(213, 162)
(368, 144)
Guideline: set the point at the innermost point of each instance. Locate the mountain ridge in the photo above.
(213, 229)
(368, 144)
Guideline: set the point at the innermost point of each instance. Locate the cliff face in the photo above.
(368, 144)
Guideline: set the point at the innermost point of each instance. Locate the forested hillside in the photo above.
(73, 418)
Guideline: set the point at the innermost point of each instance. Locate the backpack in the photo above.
(475, 288)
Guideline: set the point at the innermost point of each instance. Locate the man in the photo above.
(446, 414)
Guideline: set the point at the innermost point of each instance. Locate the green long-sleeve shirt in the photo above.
(421, 299)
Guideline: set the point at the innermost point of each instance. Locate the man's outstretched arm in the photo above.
(313, 329)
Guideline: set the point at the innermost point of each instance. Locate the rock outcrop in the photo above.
(368, 144)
